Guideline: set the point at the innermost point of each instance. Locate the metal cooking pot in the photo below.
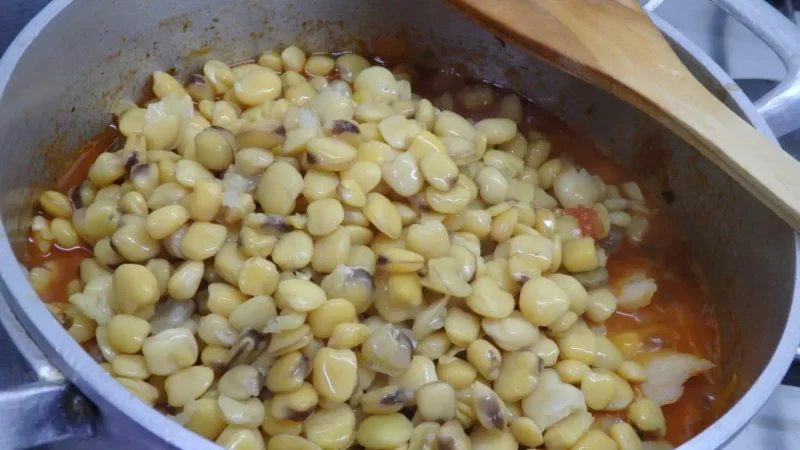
(59, 78)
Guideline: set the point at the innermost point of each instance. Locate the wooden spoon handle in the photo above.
(761, 166)
(614, 44)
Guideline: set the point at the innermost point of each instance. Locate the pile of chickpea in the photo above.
(300, 253)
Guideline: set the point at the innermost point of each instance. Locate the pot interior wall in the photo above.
(97, 51)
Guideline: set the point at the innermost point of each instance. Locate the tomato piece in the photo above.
(588, 220)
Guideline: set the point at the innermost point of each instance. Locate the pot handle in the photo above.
(47, 408)
(781, 106)
(43, 412)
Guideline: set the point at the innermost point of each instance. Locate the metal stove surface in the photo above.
(745, 57)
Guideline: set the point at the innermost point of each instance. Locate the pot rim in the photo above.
(724, 429)
(77, 366)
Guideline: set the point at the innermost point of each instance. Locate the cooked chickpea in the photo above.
(625, 436)
(646, 415)
(332, 429)
(188, 384)
(169, 351)
(334, 373)
(127, 333)
(135, 287)
(542, 301)
(384, 432)
(316, 234)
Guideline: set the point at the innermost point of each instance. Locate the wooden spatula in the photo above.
(614, 44)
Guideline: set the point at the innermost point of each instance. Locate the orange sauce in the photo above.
(78, 170)
(679, 318)
(64, 262)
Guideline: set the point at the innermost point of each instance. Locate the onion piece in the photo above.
(97, 308)
(234, 184)
(171, 108)
(339, 87)
(308, 119)
(179, 105)
(552, 401)
(667, 372)
(637, 291)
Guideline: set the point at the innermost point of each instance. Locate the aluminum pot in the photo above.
(59, 78)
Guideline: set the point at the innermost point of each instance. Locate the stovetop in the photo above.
(733, 47)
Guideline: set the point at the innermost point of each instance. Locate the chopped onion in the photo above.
(666, 373)
(171, 314)
(179, 105)
(231, 198)
(331, 105)
(552, 401)
(637, 291)
(308, 119)
(234, 184)
(96, 308)
(340, 87)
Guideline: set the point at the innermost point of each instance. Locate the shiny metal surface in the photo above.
(651, 5)
(36, 386)
(69, 415)
(775, 427)
(781, 106)
(51, 93)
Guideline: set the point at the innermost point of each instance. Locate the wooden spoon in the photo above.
(614, 44)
